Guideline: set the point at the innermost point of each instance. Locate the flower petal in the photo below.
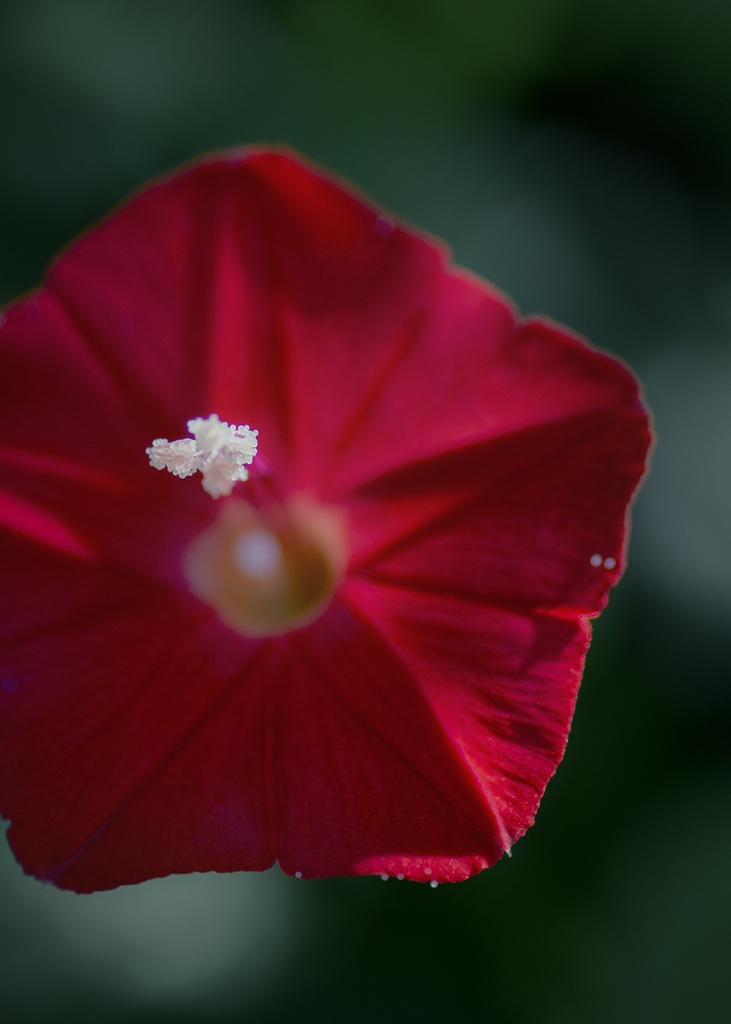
(475, 374)
(522, 518)
(204, 802)
(368, 779)
(62, 412)
(502, 684)
(108, 678)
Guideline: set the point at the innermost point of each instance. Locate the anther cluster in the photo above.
(221, 452)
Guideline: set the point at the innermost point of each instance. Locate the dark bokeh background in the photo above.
(578, 153)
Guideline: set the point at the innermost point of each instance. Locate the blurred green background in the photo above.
(577, 153)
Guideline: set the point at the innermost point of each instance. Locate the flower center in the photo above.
(267, 571)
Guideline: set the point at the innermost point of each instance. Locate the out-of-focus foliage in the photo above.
(578, 153)
(460, 48)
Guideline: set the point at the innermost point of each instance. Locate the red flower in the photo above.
(443, 502)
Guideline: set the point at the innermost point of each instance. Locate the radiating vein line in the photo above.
(456, 513)
(482, 788)
(321, 671)
(178, 748)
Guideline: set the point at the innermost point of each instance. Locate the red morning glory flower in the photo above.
(356, 651)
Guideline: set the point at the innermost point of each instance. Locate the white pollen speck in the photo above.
(384, 877)
(298, 874)
(257, 553)
(596, 560)
(609, 563)
(400, 877)
(433, 884)
(427, 871)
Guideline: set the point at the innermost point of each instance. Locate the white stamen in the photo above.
(609, 563)
(221, 452)
(298, 874)
(596, 560)
(433, 884)
(182, 457)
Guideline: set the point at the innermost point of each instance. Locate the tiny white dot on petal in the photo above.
(384, 877)
(609, 563)
(298, 874)
(427, 871)
(433, 884)
(596, 560)
(400, 877)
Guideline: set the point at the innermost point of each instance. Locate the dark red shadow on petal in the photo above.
(502, 684)
(521, 515)
(205, 804)
(366, 775)
(112, 679)
(26, 518)
(476, 373)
